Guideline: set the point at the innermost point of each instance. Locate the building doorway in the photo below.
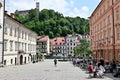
(15, 61)
(21, 59)
(4, 62)
(25, 60)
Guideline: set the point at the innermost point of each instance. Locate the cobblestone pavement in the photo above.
(47, 71)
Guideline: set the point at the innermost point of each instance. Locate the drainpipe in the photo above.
(113, 30)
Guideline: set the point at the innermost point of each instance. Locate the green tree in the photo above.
(59, 30)
(64, 31)
(33, 15)
(51, 35)
(38, 54)
(83, 48)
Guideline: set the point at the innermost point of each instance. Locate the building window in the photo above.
(25, 35)
(18, 33)
(22, 46)
(100, 25)
(25, 46)
(68, 48)
(104, 22)
(108, 4)
(11, 61)
(15, 33)
(5, 45)
(16, 46)
(108, 20)
(55, 43)
(10, 31)
(74, 44)
(118, 33)
(5, 62)
(5, 29)
(68, 44)
(22, 34)
(11, 45)
(28, 47)
(117, 14)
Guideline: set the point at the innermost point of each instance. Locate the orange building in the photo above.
(105, 30)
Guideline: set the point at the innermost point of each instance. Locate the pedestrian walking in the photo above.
(55, 62)
(74, 62)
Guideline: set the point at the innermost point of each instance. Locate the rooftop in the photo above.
(57, 41)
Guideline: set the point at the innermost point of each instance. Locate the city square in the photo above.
(47, 71)
(47, 40)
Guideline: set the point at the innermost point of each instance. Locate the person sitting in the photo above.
(90, 69)
(101, 71)
(107, 67)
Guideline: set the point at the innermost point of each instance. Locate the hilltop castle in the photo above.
(25, 12)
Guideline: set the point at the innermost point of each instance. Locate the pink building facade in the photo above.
(105, 30)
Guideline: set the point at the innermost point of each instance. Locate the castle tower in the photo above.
(37, 6)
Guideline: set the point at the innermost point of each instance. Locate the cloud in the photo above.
(85, 8)
(12, 5)
(82, 12)
(57, 5)
(62, 6)
(72, 2)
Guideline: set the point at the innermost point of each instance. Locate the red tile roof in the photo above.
(42, 38)
(57, 41)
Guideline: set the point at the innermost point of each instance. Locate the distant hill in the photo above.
(54, 24)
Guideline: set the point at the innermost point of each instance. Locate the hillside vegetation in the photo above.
(54, 24)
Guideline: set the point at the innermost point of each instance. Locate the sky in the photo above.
(72, 8)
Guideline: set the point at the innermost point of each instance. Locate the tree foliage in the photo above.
(84, 47)
(49, 22)
(38, 54)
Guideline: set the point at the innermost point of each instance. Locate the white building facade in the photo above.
(59, 51)
(43, 44)
(71, 42)
(58, 47)
(19, 42)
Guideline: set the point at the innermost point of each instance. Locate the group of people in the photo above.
(99, 68)
(96, 71)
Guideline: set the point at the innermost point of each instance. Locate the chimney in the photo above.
(5, 12)
(12, 15)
